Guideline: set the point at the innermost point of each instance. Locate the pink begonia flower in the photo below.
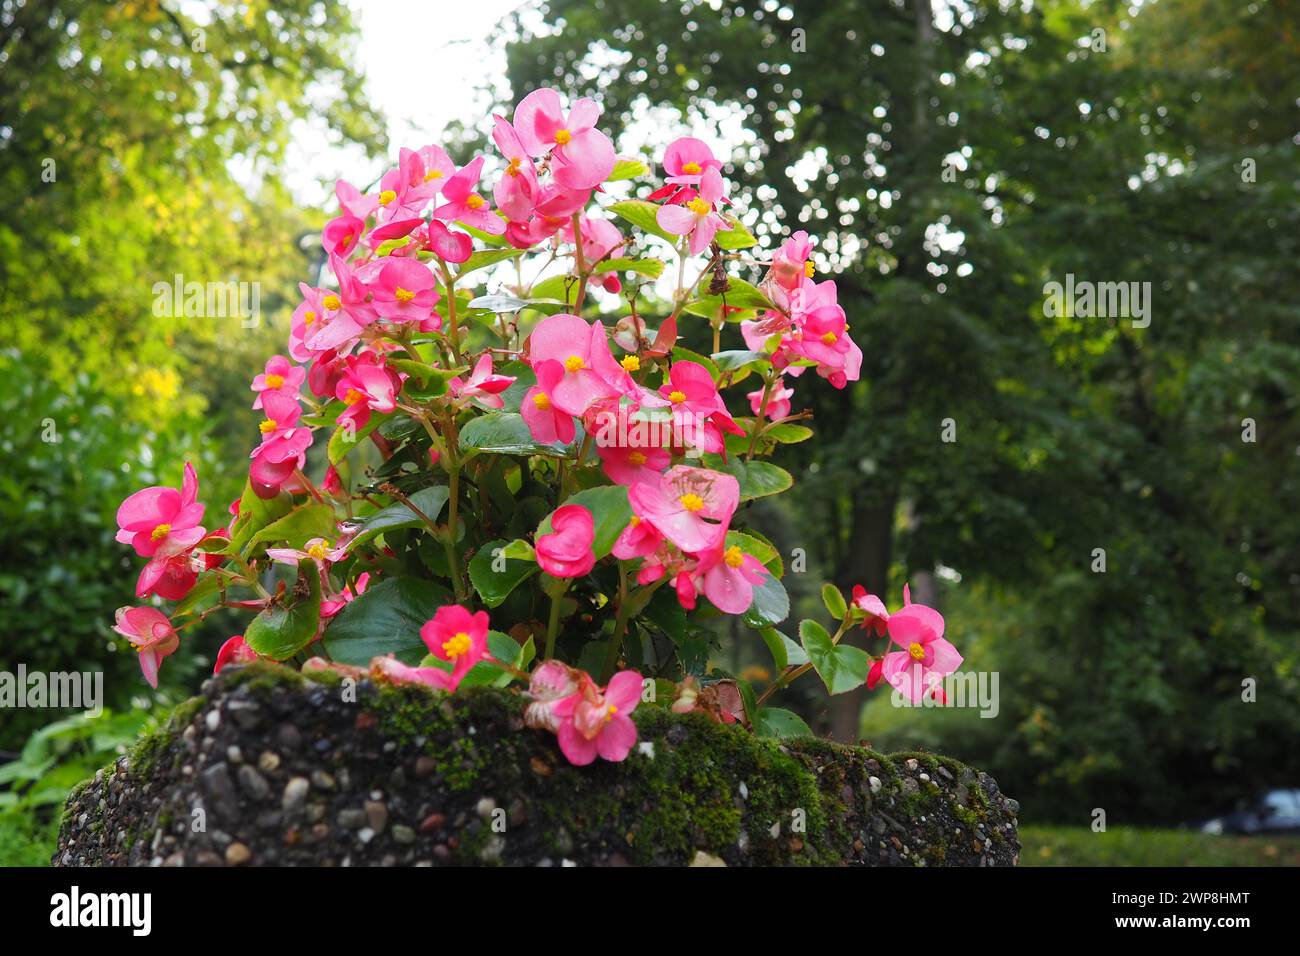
(334, 603)
(581, 156)
(517, 190)
(151, 634)
(567, 551)
(483, 385)
(684, 585)
(341, 234)
(822, 324)
(353, 201)
(549, 684)
(600, 238)
(699, 413)
(454, 634)
(691, 507)
(280, 375)
(595, 723)
(631, 464)
(553, 211)
(877, 671)
(465, 205)
(397, 229)
(163, 522)
(284, 445)
(612, 283)
(727, 576)
(697, 217)
(583, 351)
(546, 423)
(926, 657)
(366, 386)
(233, 651)
(790, 264)
(401, 193)
(687, 159)
(778, 401)
(637, 540)
(318, 550)
(404, 291)
(429, 172)
(877, 620)
(392, 669)
(447, 245)
(306, 319)
(346, 312)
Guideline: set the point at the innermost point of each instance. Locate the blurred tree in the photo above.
(141, 142)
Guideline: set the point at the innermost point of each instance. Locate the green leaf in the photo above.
(739, 358)
(741, 295)
(395, 517)
(255, 514)
(425, 381)
(840, 666)
(651, 268)
(485, 258)
(642, 215)
(610, 510)
(298, 527)
(788, 434)
(347, 436)
(492, 585)
(737, 237)
(505, 649)
(385, 619)
(776, 647)
(834, 601)
(500, 302)
(758, 479)
(505, 433)
(209, 585)
(778, 722)
(627, 169)
(290, 623)
(771, 603)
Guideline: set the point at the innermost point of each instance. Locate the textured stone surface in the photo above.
(268, 767)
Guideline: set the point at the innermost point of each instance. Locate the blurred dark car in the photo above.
(1273, 811)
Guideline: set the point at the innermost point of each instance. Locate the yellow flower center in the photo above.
(698, 206)
(809, 269)
(734, 556)
(631, 363)
(160, 532)
(636, 519)
(433, 174)
(609, 714)
(386, 197)
(636, 458)
(352, 397)
(574, 363)
(691, 168)
(691, 501)
(676, 397)
(542, 401)
(403, 295)
(319, 550)
(513, 168)
(562, 136)
(475, 201)
(830, 338)
(266, 426)
(917, 651)
(308, 318)
(331, 302)
(458, 645)
(275, 381)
